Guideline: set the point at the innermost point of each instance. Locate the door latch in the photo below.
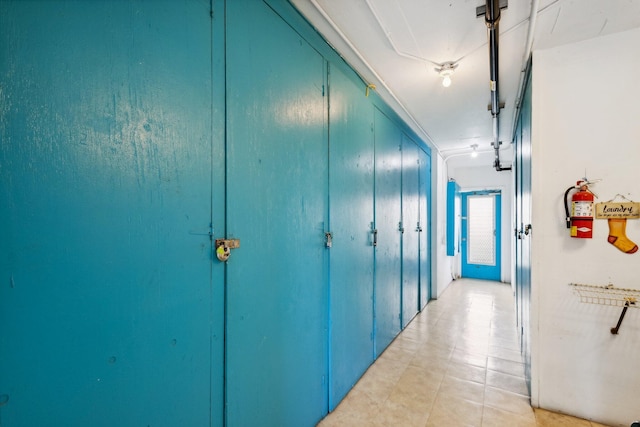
(224, 246)
(328, 239)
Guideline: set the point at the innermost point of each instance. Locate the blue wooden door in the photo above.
(388, 217)
(481, 235)
(425, 227)
(351, 224)
(105, 182)
(277, 205)
(410, 229)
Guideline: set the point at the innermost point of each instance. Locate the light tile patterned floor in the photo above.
(456, 364)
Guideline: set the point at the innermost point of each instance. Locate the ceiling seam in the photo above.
(344, 38)
(401, 53)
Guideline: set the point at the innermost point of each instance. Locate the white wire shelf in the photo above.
(608, 295)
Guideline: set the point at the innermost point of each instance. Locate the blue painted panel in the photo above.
(388, 215)
(425, 228)
(277, 205)
(105, 282)
(351, 218)
(453, 196)
(411, 229)
(482, 271)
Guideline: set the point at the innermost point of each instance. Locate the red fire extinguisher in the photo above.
(580, 219)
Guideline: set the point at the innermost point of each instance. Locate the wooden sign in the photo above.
(628, 210)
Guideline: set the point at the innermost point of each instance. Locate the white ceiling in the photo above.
(396, 44)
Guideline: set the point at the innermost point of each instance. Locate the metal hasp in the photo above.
(328, 239)
(224, 246)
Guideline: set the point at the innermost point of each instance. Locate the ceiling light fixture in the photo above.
(474, 153)
(445, 71)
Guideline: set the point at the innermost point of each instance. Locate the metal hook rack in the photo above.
(608, 295)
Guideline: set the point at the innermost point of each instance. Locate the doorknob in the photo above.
(224, 246)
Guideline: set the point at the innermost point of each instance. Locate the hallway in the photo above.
(456, 364)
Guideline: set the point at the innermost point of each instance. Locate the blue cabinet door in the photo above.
(277, 206)
(410, 229)
(388, 217)
(425, 228)
(105, 185)
(351, 219)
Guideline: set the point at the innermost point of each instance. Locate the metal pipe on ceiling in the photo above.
(492, 20)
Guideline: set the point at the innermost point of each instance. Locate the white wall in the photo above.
(442, 267)
(485, 177)
(586, 117)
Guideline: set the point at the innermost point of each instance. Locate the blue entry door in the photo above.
(481, 235)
